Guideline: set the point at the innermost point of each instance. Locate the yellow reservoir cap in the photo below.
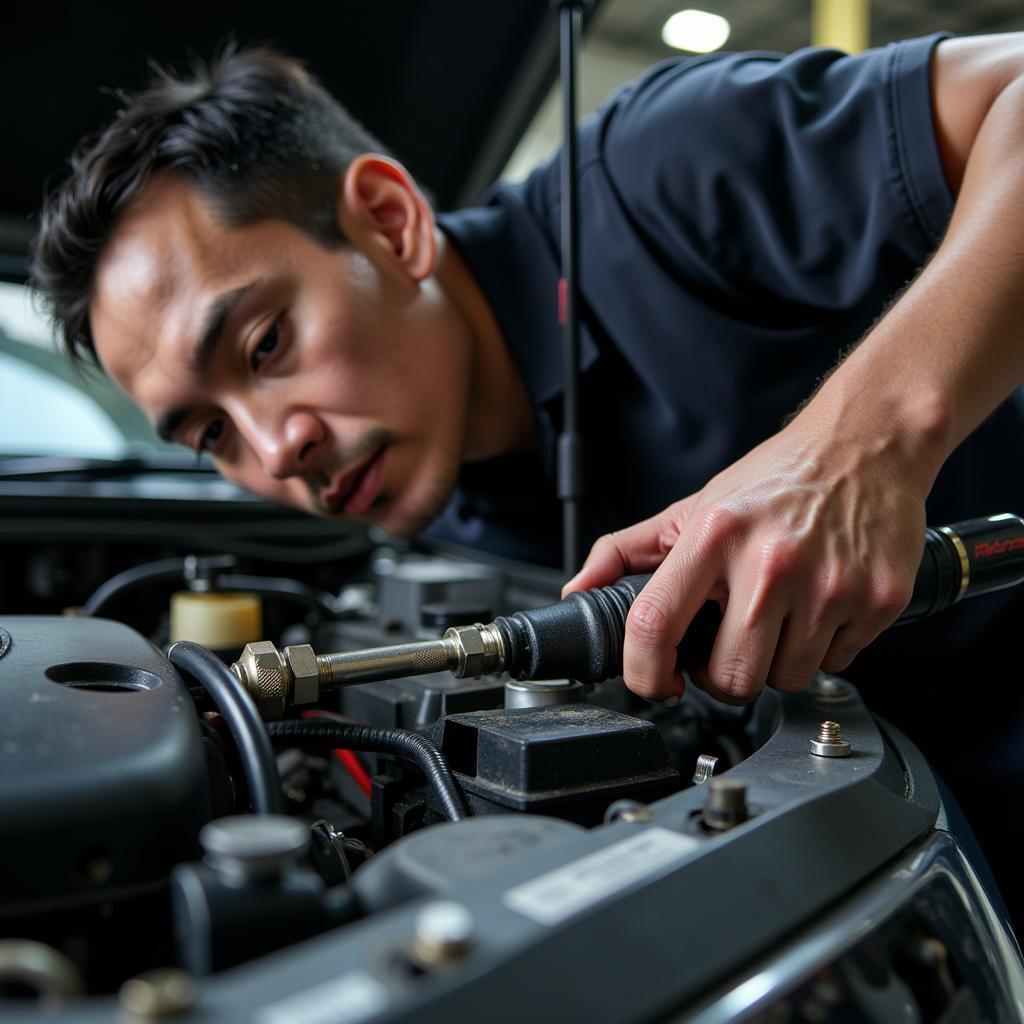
(219, 621)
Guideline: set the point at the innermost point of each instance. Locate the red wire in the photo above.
(349, 761)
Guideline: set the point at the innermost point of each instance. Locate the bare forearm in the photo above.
(951, 349)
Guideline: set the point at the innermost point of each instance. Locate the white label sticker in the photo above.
(346, 1000)
(559, 894)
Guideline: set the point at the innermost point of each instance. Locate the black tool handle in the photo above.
(581, 637)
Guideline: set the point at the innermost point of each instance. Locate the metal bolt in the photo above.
(726, 804)
(704, 769)
(830, 741)
(160, 993)
(627, 810)
(444, 934)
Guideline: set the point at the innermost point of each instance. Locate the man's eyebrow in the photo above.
(214, 321)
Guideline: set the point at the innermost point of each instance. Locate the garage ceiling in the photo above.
(624, 37)
(450, 85)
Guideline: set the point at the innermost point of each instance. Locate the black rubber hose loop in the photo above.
(150, 572)
(242, 718)
(398, 742)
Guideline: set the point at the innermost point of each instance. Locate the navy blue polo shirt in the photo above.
(744, 219)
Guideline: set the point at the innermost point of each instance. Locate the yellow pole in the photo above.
(844, 24)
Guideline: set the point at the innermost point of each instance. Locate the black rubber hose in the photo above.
(398, 742)
(150, 572)
(239, 711)
(290, 590)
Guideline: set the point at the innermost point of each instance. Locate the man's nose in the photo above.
(286, 449)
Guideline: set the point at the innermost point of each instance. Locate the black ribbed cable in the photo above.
(409, 746)
(242, 718)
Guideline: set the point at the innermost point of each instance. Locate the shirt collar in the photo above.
(516, 267)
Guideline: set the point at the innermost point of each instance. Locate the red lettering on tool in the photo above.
(986, 549)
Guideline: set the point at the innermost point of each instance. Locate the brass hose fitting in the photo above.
(297, 675)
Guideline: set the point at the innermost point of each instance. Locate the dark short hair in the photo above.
(252, 130)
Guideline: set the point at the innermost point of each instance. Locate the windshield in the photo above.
(49, 408)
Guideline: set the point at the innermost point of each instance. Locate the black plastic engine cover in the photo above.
(103, 783)
(570, 760)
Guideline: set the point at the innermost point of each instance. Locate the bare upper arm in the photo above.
(967, 75)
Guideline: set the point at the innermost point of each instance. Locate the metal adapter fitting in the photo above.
(277, 679)
(474, 650)
(297, 675)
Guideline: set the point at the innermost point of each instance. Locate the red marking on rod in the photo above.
(563, 300)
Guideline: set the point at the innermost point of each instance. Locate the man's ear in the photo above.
(380, 207)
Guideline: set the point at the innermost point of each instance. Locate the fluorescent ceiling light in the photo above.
(696, 31)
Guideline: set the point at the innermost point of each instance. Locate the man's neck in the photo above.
(500, 419)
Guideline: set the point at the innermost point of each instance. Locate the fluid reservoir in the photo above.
(220, 621)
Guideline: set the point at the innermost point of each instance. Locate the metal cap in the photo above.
(726, 804)
(247, 847)
(542, 694)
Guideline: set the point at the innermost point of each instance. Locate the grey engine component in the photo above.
(103, 782)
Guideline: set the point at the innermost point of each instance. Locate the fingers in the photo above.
(636, 549)
(745, 646)
(800, 651)
(664, 609)
(888, 595)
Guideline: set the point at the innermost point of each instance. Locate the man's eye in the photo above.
(211, 435)
(266, 346)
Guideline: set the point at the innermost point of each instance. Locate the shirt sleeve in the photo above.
(809, 177)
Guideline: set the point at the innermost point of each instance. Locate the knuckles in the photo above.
(735, 678)
(648, 623)
(716, 527)
(780, 560)
(889, 596)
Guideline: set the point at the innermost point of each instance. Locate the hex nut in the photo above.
(471, 650)
(262, 672)
(305, 673)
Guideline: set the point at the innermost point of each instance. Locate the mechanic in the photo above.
(247, 264)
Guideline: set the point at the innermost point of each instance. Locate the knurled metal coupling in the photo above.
(278, 679)
(474, 650)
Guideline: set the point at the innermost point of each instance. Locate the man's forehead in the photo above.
(165, 258)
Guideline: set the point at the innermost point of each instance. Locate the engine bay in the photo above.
(435, 846)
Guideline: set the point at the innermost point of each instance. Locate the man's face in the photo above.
(329, 380)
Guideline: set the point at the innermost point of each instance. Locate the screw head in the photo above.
(830, 741)
(443, 933)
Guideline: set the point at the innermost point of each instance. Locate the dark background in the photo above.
(447, 85)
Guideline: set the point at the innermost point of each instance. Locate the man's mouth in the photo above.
(355, 490)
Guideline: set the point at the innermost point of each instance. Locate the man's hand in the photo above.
(810, 545)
